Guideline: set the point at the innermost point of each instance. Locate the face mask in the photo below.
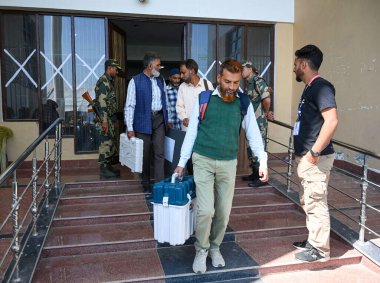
(155, 73)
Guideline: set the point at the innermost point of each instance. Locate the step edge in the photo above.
(102, 196)
(51, 248)
(101, 216)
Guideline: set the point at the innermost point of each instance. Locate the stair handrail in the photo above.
(364, 178)
(18, 241)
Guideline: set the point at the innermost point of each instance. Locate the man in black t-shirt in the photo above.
(316, 123)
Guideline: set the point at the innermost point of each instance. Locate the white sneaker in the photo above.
(216, 258)
(199, 264)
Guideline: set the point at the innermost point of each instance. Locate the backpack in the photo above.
(204, 98)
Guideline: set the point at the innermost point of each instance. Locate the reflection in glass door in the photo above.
(203, 49)
(89, 66)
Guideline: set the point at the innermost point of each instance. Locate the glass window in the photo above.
(89, 57)
(260, 50)
(19, 67)
(56, 71)
(230, 42)
(203, 49)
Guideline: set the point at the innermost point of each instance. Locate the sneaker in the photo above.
(199, 264)
(251, 177)
(303, 246)
(257, 183)
(310, 256)
(216, 258)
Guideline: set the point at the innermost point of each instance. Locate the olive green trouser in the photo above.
(215, 185)
(313, 198)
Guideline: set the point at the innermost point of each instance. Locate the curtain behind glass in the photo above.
(89, 66)
(20, 66)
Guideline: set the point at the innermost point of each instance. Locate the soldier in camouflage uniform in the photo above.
(259, 93)
(106, 102)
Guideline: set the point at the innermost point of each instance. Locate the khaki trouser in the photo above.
(314, 180)
(215, 183)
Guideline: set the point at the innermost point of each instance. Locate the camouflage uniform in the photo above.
(257, 90)
(106, 101)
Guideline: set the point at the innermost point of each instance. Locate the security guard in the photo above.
(106, 103)
(259, 93)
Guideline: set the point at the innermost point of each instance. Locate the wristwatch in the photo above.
(315, 153)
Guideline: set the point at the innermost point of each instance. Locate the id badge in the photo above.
(296, 129)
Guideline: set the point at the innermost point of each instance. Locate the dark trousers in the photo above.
(154, 141)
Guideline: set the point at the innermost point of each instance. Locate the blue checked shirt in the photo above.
(172, 93)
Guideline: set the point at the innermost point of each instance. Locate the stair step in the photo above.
(99, 189)
(99, 238)
(101, 208)
(248, 209)
(127, 266)
(350, 273)
(110, 198)
(277, 254)
(259, 199)
(267, 220)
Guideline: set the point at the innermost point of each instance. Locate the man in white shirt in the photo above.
(214, 142)
(189, 90)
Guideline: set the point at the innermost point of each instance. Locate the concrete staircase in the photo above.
(103, 232)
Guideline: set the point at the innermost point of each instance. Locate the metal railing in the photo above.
(363, 179)
(39, 196)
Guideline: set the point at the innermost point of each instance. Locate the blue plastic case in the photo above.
(176, 192)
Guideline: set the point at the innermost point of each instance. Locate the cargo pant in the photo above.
(215, 185)
(107, 147)
(313, 198)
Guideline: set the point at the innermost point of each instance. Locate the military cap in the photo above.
(112, 63)
(248, 64)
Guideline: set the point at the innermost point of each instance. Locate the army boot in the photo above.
(114, 170)
(106, 173)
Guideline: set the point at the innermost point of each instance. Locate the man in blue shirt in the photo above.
(172, 92)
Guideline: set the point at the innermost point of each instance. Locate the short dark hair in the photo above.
(190, 65)
(149, 57)
(232, 66)
(312, 54)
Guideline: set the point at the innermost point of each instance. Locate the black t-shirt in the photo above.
(315, 98)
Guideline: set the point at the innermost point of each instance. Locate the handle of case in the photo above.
(174, 176)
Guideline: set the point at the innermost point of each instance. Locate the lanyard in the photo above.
(302, 99)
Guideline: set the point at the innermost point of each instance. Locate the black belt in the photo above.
(154, 113)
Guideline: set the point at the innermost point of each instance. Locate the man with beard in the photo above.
(214, 142)
(146, 115)
(189, 90)
(172, 91)
(315, 126)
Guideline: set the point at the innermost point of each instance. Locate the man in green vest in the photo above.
(214, 143)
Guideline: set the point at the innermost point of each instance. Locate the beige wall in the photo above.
(282, 85)
(25, 133)
(348, 33)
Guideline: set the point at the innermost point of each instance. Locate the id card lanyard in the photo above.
(297, 124)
